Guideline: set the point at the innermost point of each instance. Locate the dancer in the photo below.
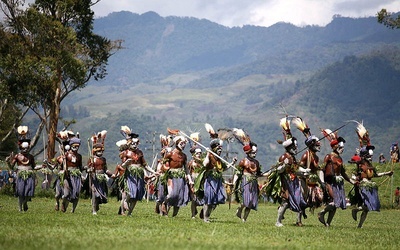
(288, 169)
(367, 190)
(161, 180)
(135, 165)
(25, 182)
(118, 183)
(211, 181)
(195, 166)
(333, 179)
(97, 169)
(312, 191)
(247, 191)
(178, 177)
(70, 166)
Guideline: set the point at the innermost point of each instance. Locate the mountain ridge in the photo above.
(183, 72)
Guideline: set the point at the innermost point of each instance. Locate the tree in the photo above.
(49, 50)
(388, 19)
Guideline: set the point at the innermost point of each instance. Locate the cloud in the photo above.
(255, 12)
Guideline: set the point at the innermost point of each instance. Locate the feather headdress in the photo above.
(333, 137)
(65, 134)
(241, 136)
(225, 134)
(302, 126)
(173, 131)
(211, 131)
(244, 139)
(215, 140)
(23, 134)
(100, 137)
(165, 140)
(22, 130)
(128, 134)
(195, 137)
(126, 131)
(284, 123)
(328, 134)
(363, 135)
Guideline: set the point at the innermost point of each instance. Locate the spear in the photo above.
(208, 150)
(347, 122)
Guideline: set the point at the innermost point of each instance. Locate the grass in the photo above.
(42, 227)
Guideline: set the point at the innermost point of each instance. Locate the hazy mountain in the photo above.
(182, 72)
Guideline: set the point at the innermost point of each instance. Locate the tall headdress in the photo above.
(284, 123)
(244, 139)
(363, 135)
(128, 134)
(98, 140)
(215, 141)
(364, 140)
(24, 139)
(302, 126)
(23, 134)
(65, 136)
(332, 137)
(311, 139)
(194, 139)
(165, 140)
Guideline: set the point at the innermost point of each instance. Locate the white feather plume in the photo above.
(22, 130)
(209, 128)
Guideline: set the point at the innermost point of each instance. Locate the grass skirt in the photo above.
(214, 191)
(25, 188)
(370, 198)
(178, 193)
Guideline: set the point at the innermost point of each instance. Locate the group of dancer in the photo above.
(308, 184)
(294, 184)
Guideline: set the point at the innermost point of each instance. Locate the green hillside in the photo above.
(183, 72)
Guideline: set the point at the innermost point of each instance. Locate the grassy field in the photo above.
(43, 228)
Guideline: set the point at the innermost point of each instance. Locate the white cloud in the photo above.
(255, 12)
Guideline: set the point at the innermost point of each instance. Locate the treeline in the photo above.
(72, 112)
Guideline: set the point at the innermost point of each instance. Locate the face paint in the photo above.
(134, 145)
(74, 147)
(181, 145)
(340, 150)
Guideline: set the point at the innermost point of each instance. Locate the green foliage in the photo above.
(389, 19)
(48, 229)
(7, 118)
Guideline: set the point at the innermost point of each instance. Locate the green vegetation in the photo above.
(43, 228)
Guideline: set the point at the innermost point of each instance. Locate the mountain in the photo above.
(183, 72)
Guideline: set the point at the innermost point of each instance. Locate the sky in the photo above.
(233, 13)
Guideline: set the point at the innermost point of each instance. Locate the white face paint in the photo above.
(181, 145)
(317, 146)
(218, 150)
(75, 147)
(253, 152)
(340, 150)
(134, 144)
(99, 153)
(24, 147)
(370, 154)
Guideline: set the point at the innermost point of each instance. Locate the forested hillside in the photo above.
(183, 72)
